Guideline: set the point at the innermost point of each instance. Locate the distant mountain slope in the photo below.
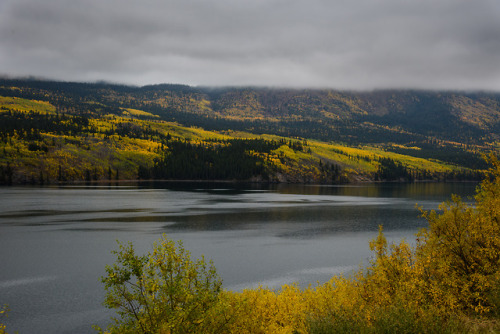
(321, 114)
(451, 127)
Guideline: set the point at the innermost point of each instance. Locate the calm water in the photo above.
(55, 242)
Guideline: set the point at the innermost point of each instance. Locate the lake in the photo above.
(56, 241)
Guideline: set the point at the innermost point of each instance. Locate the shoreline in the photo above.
(158, 181)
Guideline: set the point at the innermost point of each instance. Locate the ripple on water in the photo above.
(25, 281)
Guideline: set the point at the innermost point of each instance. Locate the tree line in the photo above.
(219, 160)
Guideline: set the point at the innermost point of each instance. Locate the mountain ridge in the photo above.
(252, 103)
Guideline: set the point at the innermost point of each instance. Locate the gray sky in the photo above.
(343, 44)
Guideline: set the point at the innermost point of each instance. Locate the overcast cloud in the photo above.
(343, 44)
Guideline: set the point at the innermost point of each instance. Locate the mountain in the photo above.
(448, 128)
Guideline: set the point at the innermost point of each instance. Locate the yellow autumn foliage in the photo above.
(35, 155)
(24, 105)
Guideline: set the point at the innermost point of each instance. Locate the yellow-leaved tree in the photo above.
(461, 247)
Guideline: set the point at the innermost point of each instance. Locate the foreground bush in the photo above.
(161, 292)
(448, 283)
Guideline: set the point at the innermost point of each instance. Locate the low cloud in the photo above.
(364, 44)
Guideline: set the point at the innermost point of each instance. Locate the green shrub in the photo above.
(161, 292)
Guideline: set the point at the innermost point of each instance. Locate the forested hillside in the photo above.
(67, 132)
